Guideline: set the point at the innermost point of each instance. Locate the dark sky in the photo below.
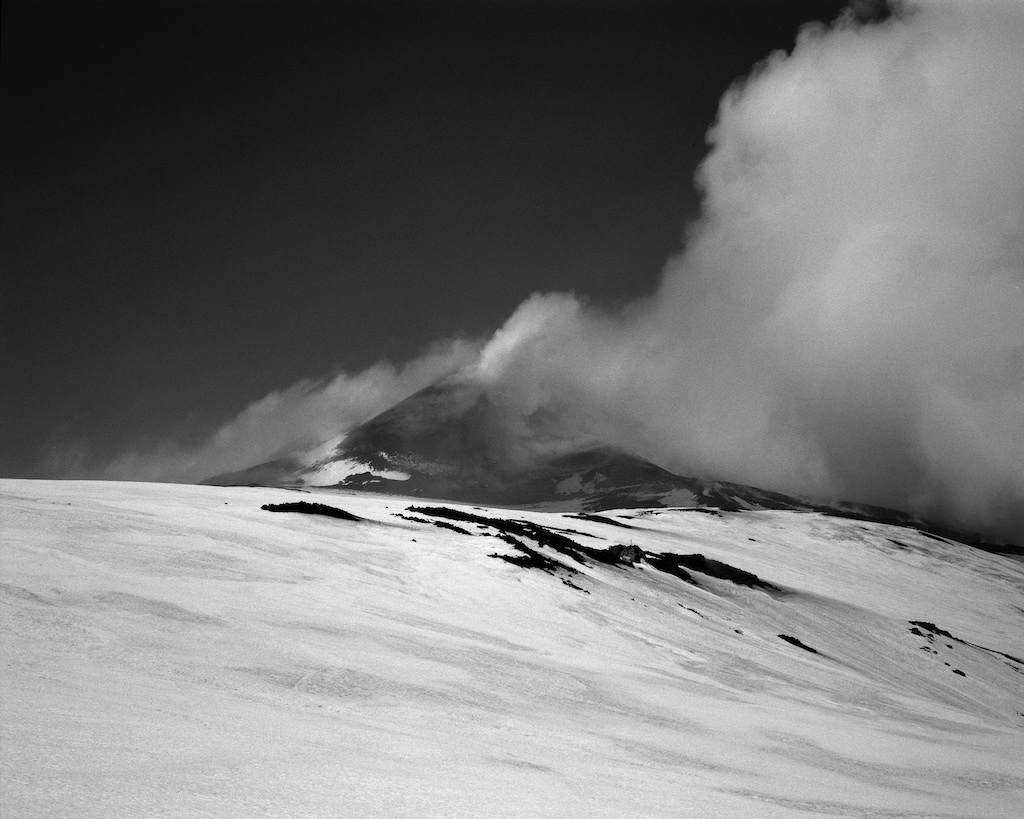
(204, 202)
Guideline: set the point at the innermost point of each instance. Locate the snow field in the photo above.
(175, 650)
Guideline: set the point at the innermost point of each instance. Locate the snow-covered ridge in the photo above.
(178, 649)
(456, 441)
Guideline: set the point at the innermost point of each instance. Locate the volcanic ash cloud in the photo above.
(848, 315)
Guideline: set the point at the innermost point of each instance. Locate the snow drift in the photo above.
(181, 650)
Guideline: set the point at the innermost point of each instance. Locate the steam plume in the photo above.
(303, 415)
(847, 317)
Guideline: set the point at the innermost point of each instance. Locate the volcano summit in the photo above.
(456, 440)
(459, 440)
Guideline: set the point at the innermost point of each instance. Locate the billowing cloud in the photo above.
(847, 317)
(303, 415)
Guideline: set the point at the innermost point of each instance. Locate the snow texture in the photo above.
(178, 651)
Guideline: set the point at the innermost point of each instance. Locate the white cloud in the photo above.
(303, 415)
(847, 318)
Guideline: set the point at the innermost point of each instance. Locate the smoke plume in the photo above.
(847, 317)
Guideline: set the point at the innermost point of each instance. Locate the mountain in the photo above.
(233, 652)
(455, 440)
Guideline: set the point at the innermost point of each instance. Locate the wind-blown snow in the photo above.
(175, 650)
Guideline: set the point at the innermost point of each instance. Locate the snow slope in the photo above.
(179, 651)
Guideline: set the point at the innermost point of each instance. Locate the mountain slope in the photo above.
(455, 441)
(181, 649)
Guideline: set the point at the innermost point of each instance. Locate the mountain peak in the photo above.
(460, 439)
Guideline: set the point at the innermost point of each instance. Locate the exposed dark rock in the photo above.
(529, 559)
(701, 616)
(712, 568)
(311, 509)
(454, 514)
(573, 532)
(670, 564)
(521, 528)
(441, 524)
(532, 559)
(617, 555)
(601, 519)
(630, 555)
(935, 630)
(799, 644)
(511, 531)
